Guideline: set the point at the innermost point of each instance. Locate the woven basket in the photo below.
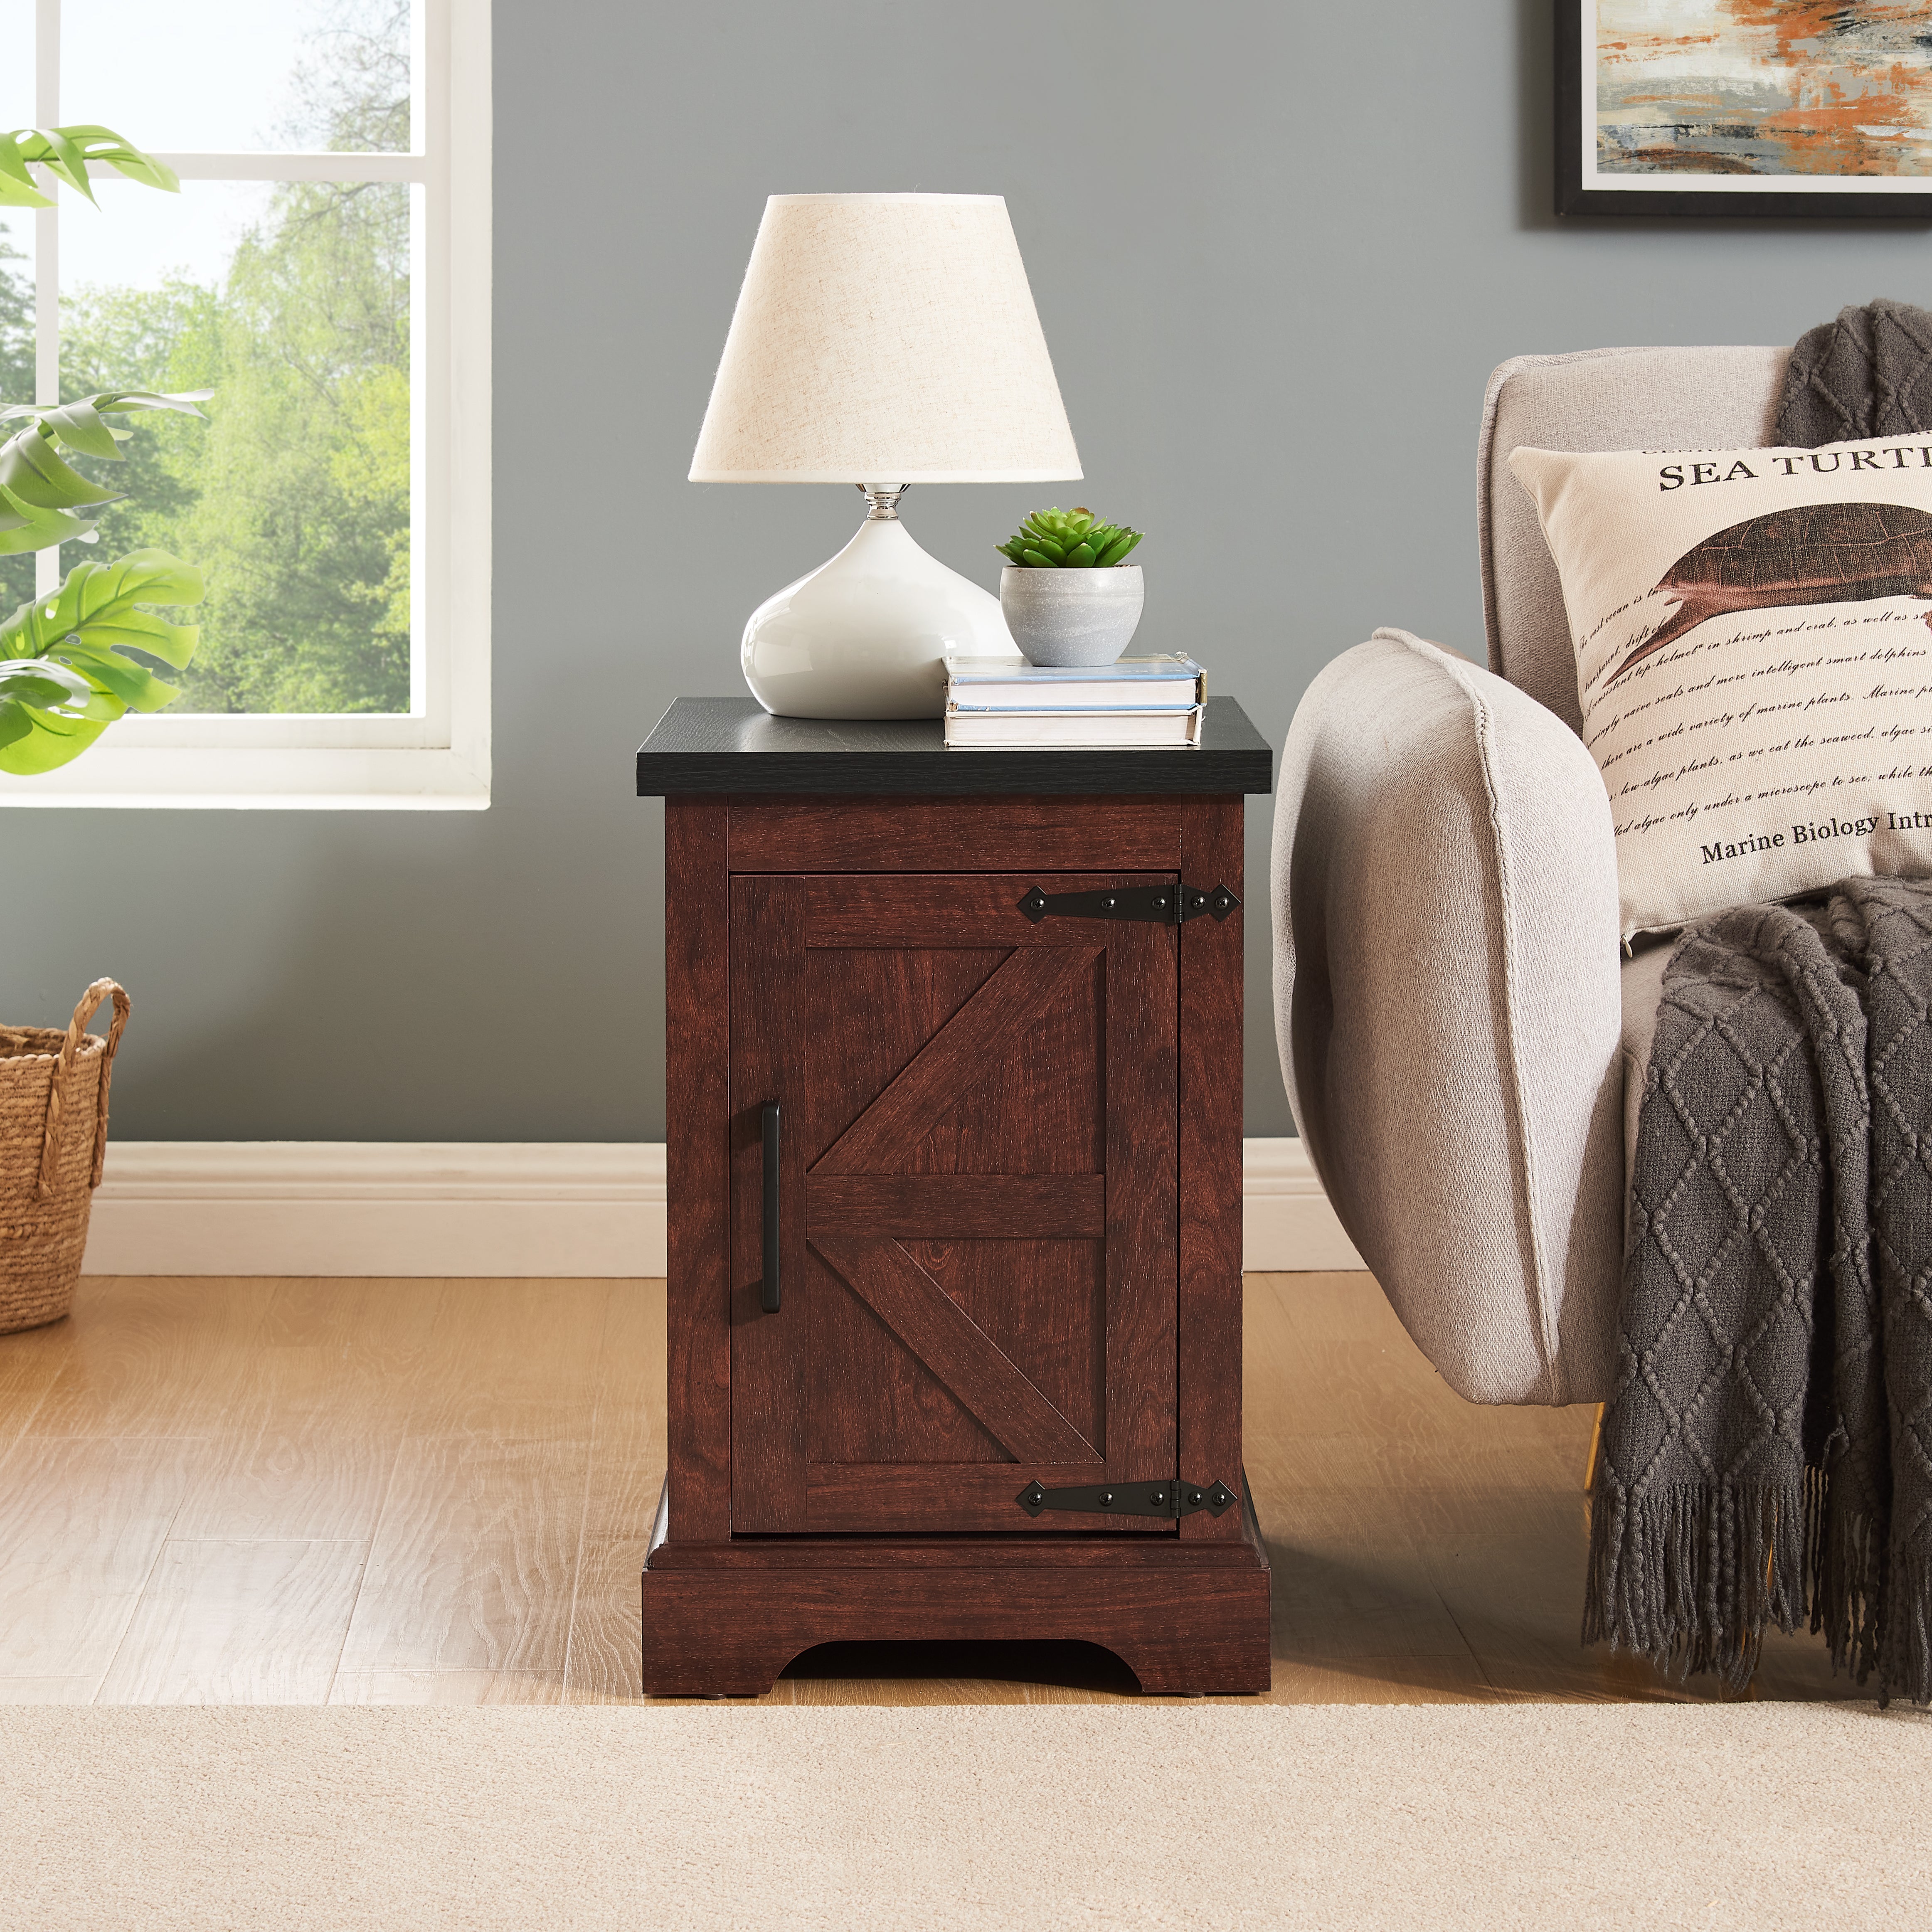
(53, 1138)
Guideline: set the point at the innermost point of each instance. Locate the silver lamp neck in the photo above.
(882, 506)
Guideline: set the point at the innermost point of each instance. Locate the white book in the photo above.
(1079, 731)
(1169, 681)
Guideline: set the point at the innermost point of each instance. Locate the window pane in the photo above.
(16, 63)
(290, 301)
(221, 76)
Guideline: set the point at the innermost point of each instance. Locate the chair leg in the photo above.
(1596, 1451)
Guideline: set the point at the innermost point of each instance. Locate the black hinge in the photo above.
(1131, 1499)
(1156, 905)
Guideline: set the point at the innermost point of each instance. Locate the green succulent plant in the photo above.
(1075, 539)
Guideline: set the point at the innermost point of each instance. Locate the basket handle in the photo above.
(50, 1143)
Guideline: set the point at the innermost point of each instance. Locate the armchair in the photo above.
(1463, 1043)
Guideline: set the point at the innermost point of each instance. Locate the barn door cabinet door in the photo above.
(954, 1212)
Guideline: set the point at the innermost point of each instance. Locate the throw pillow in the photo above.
(1753, 660)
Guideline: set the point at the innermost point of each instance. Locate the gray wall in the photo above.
(1276, 247)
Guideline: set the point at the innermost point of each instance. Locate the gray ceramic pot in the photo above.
(1071, 616)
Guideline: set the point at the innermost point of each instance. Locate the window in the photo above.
(325, 271)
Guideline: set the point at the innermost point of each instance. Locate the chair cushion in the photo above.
(1596, 399)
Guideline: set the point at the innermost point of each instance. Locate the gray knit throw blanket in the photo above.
(1768, 1447)
(1868, 373)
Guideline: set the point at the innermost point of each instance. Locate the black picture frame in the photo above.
(1574, 197)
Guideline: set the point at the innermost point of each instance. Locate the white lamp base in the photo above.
(863, 635)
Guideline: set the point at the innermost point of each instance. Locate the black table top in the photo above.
(732, 744)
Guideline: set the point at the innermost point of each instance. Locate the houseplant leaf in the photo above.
(65, 152)
(25, 526)
(78, 635)
(42, 499)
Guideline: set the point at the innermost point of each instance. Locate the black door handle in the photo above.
(768, 1288)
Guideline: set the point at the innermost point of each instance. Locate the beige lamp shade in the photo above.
(885, 338)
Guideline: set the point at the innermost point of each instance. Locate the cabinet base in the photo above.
(723, 1620)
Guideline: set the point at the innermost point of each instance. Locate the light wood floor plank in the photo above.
(152, 1356)
(511, 1358)
(82, 1522)
(445, 1688)
(48, 1690)
(30, 1361)
(605, 1660)
(474, 1561)
(1360, 1680)
(337, 1368)
(238, 1623)
(190, 1473)
(628, 1435)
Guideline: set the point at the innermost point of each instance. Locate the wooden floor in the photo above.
(418, 1491)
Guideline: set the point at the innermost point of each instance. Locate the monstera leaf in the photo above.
(65, 152)
(43, 501)
(64, 677)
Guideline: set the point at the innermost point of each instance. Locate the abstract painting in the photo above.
(1767, 107)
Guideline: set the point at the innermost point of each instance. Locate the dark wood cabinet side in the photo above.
(697, 1177)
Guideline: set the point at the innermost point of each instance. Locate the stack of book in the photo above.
(1001, 703)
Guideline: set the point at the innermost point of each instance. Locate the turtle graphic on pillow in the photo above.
(1823, 554)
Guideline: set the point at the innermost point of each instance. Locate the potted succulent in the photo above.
(1068, 592)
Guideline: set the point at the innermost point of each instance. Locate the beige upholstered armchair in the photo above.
(1463, 1043)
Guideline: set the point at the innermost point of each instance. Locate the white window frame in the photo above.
(436, 756)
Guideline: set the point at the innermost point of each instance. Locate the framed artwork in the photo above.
(1773, 108)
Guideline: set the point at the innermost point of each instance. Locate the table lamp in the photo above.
(883, 340)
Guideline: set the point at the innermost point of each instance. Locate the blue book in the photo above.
(1171, 681)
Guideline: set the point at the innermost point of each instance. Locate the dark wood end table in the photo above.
(954, 1111)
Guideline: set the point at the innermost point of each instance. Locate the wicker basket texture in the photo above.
(53, 1139)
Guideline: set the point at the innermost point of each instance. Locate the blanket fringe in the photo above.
(1905, 1653)
(1691, 1576)
(1846, 1563)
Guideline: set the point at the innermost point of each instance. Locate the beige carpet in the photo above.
(1565, 1816)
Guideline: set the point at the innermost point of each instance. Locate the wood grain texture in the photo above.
(238, 1622)
(172, 1362)
(1423, 1549)
(940, 1334)
(944, 909)
(307, 1452)
(491, 1372)
(861, 835)
(1141, 1314)
(729, 1633)
(82, 1519)
(925, 1040)
(960, 1206)
(48, 1690)
(473, 1565)
(1209, 1344)
(698, 1103)
(971, 1047)
(30, 1361)
(981, 1498)
(443, 1687)
(770, 1355)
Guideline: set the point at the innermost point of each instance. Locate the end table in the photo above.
(954, 1101)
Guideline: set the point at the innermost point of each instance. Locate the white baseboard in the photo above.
(1286, 1222)
(373, 1207)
